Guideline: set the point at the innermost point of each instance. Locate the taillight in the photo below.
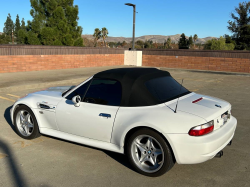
(202, 129)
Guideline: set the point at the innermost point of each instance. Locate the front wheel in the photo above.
(25, 123)
(149, 153)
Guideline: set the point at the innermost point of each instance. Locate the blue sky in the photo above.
(157, 17)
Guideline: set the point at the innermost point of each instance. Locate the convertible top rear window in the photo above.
(165, 88)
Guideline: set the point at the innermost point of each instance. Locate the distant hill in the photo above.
(154, 38)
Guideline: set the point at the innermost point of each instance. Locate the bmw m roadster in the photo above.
(141, 112)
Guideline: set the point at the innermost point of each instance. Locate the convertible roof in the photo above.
(134, 91)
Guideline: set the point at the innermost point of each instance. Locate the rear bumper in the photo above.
(192, 150)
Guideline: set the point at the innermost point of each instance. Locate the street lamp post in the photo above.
(134, 11)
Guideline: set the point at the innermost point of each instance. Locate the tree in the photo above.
(8, 27)
(168, 43)
(48, 36)
(147, 44)
(218, 44)
(54, 22)
(140, 44)
(112, 44)
(104, 35)
(23, 24)
(97, 35)
(195, 38)
(183, 42)
(4, 39)
(240, 26)
(124, 43)
(32, 38)
(17, 26)
(22, 36)
(229, 39)
(190, 41)
(79, 42)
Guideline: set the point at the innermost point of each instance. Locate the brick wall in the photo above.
(16, 63)
(199, 63)
(35, 58)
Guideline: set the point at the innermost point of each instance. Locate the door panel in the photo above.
(88, 120)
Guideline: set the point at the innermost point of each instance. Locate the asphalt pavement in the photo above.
(47, 161)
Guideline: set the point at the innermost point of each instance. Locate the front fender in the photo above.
(21, 101)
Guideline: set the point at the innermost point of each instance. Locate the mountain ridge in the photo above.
(154, 38)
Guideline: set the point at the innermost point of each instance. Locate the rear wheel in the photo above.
(25, 123)
(149, 153)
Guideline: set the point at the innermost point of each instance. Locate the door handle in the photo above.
(105, 115)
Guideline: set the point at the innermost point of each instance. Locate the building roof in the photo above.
(134, 90)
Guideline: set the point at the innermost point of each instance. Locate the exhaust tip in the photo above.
(219, 154)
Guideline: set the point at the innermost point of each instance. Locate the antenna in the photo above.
(178, 97)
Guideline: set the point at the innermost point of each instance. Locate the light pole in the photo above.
(133, 5)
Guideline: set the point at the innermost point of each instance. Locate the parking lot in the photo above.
(47, 161)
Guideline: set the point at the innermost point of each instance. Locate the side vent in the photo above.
(44, 106)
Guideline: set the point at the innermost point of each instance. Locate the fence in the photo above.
(197, 53)
(54, 50)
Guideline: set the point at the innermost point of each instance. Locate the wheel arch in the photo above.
(23, 104)
(134, 129)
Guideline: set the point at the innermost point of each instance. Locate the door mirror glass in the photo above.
(76, 100)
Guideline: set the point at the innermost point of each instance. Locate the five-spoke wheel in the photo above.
(25, 123)
(149, 153)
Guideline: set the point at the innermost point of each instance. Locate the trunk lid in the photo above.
(209, 108)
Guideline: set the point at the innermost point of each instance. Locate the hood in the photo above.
(209, 108)
(60, 88)
(49, 97)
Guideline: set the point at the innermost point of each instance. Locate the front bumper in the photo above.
(192, 150)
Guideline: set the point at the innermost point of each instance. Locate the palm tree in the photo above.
(104, 35)
(195, 38)
(97, 35)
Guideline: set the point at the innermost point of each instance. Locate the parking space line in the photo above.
(3, 155)
(13, 95)
(6, 99)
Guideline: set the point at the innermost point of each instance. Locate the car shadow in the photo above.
(120, 158)
(7, 118)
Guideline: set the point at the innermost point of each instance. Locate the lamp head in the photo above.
(130, 4)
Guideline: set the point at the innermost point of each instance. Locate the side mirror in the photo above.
(76, 100)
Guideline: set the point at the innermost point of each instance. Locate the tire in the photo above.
(25, 123)
(146, 147)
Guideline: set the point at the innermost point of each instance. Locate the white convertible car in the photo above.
(141, 112)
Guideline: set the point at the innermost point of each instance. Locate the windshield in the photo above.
(165, 88)
(65, 92)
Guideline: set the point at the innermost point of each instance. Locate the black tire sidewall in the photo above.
(35, 132)
(168, 157)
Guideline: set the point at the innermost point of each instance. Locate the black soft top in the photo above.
(134, 90)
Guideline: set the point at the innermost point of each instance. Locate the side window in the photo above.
(104, 92)
(79, 91)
